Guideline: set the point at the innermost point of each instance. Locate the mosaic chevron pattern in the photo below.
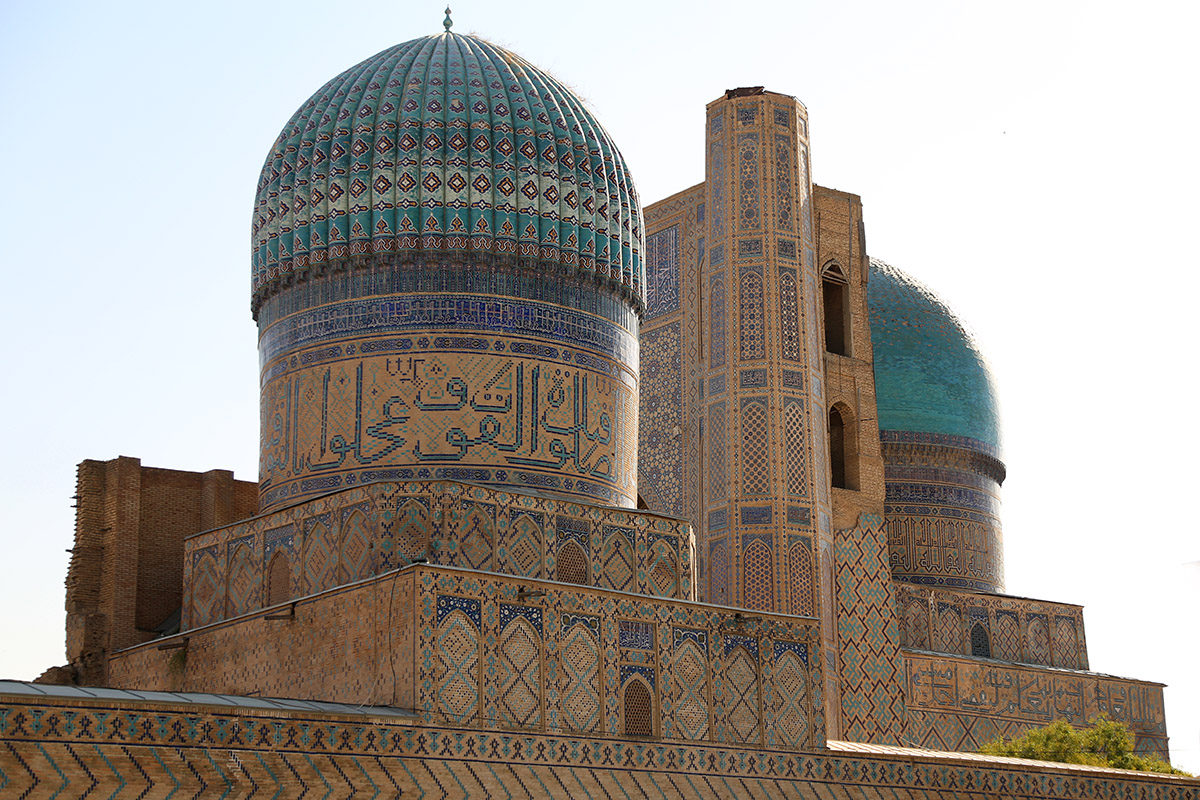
(77, 749)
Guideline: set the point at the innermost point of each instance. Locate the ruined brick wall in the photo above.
(126, 572)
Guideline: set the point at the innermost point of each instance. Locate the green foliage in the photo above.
(1105, 743)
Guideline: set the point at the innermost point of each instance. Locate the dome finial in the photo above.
(447, 21)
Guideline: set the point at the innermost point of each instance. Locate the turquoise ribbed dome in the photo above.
(446, 147)
(930, 376)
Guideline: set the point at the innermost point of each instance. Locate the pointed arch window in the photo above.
(981, 644)
(835, 292)
(638, 709)
(843, 448)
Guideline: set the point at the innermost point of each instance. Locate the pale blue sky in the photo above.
(1033, 162)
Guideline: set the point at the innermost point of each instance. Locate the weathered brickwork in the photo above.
(126, 573)
(962, 703)
(849, 375)
(472, 648)
(352, 534)
(68, 749)
(991, 626)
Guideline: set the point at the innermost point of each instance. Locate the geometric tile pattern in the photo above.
(716, 304)
(785, 146)
(749, 180)
(1019, 629)
(797, 467)
(520, 660)
(753, 334)
(791, 697)
(916, 625)
(478, 535)
(718, 573)
(869, 662)
(579, 672)
(205, 596)
(718, 455)
(741, 680)
(1037, 637)
(664, 572)
(617, 560)
(354, 557)
(522, 553)
(244, 583)
(759, 580)
(445, 143)
(800, 578)
(1066, 643)
(168, 750)
(948, 630)
(1007, 642)
(662, 272)
(689, 684)
(352, 534)
(789, 316)
(756, 470)
(320, 556)
(458, 670)
(661, 417)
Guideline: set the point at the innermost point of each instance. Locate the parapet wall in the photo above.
(1019, 629)
(102, 748)
(353, 534)
(960, 703)
(478, 650)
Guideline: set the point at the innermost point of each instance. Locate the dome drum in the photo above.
(939, 431)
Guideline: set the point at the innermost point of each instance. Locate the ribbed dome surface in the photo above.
(930, 376)
(446, 145)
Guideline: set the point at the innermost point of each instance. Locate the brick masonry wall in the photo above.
(96, 748)
(126, 572)
(850, 379)
(962, 703)
(469, 648)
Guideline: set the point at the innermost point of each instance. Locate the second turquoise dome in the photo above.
(930, 376)
(446, 144)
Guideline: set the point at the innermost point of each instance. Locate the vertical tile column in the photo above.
(766, 501)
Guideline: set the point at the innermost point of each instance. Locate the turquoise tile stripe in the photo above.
(446, 143)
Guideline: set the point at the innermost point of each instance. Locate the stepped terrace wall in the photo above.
(485, 650)
(353, 534)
